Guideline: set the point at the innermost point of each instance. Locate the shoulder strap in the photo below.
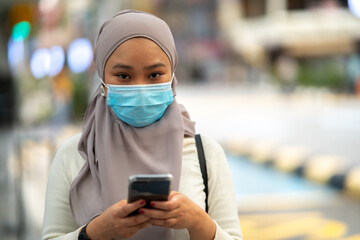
(202, 162)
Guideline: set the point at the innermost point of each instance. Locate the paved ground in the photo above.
(311, 132)
(274, 205)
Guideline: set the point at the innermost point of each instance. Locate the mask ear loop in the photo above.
(102, 91)
(102, 88)
(172, 79)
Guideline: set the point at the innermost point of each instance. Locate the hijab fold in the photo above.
(114, 150)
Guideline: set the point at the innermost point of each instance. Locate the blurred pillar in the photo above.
(274, 6)
(228, 12)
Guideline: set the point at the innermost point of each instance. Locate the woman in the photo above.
(134, 125)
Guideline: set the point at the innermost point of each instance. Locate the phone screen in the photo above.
(153, 187)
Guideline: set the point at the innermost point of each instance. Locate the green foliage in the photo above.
(80, 95)
(324, 72)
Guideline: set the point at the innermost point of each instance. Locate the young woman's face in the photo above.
(137, 61)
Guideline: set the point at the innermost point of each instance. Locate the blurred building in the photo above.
(319, 34)
(293, 41)
(50, 75)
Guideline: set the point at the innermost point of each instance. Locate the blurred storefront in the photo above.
(317, 37)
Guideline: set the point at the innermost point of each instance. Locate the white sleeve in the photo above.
(58, 219)
(221, 198)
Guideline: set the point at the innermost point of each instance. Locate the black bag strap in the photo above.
(202, 162)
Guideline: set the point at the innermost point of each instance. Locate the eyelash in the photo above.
(123, 76)
(155, 73)
(126, 76)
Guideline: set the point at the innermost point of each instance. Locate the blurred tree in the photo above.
(80, 94)
(323, 72)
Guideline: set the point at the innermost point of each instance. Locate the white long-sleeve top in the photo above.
(59, 222)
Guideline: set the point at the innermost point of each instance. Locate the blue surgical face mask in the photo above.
(139, 105)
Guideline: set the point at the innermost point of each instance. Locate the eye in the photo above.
(154, 75)
(123, 76)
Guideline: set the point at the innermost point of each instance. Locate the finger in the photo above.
(121, 203)
(169, 205)
(128, 208)
(136, 228)
(170, 222)
(159, 214)
(136, 220)
(130, 231)
(172, 193)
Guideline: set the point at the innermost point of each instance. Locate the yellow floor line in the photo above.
(281, 226)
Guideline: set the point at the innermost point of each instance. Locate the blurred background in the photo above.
(276, 82)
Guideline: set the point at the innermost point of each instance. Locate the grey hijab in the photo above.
(114, 150)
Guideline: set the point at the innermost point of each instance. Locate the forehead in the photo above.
(140, 48)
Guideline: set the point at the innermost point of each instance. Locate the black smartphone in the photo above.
(150, 187)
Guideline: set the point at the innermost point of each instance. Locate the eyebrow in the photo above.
(119, 65)
(155, 66)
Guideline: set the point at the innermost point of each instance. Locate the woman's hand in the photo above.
(115, 222)
(180, 212)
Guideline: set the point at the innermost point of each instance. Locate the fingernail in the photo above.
(141, 211)
(152, 204)
(142, 202)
